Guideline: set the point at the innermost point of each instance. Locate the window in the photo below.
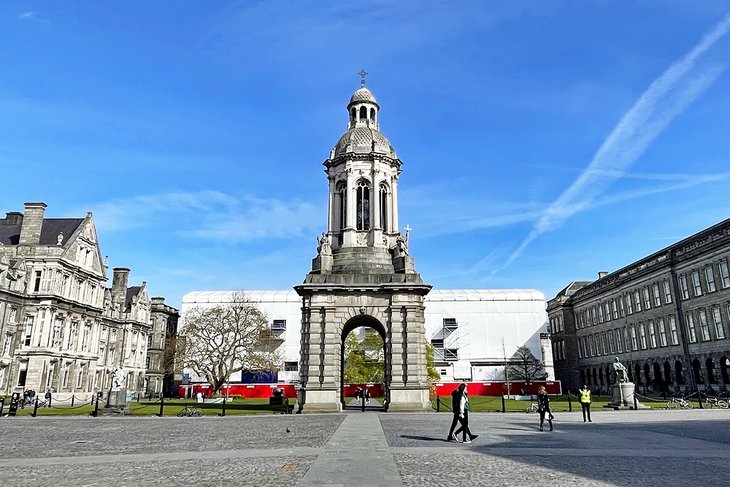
(667, 292)
(614, 309)
(9, 342)
(637, 301)
(652, 334)
(71, 337)
(657, 297)
(149, 360)
(451, 324)
(291, 366)
(607, 311)
(363, 205)
(673, 330)
(37, 285)
(619, 341)
(22, 373)
(85, 338)
(278, 325)
(647, 300)
(600, 313)
(724, 274)
(580, 348)
(629, 305)
(696, 285)
(662, 332)
(683, 286)
(66, 373)
(56, 336)
(627, 340)
(149, 341)
(13, 315)
(691, 331)
(342, 204)
(717, 320)
(710, 278)
(634, 343)
(642, 336)
(384, 207)
(621, 307)
(80, 376)
(437, 343)
(451, 354)
(28, 332)
(704, 325)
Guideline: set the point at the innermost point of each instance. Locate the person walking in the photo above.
(455, 408)
(464, 419)
(543, 407)
(585, 402)
(49, 397)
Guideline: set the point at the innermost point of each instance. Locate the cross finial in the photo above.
(362, 74)
(408, 229)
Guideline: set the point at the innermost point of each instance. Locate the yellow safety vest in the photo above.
(585, 396)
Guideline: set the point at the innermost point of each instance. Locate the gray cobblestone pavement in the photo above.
(644, 448)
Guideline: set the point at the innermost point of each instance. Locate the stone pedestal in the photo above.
(118, 399)
(622, 397)
(409, 400)
(322, 264)
(404, 265)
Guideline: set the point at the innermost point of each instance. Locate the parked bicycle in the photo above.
(532, 408)
(715, 402)
(190, 411)
(679, 403)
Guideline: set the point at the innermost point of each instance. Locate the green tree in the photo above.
(433, 375)
(364, 360)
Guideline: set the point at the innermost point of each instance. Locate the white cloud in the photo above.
(666, 98)
(210, 215)
(26, 15)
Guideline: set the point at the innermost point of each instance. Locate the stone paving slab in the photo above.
(620, 448)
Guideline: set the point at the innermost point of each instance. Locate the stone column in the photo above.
(394, 209)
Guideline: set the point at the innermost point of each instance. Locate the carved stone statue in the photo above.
(401, 246)
(622, 374)
(323, 245)
(117, 378)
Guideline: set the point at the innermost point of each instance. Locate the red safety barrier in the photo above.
(496, 388)
(376, 390)
(247, 391)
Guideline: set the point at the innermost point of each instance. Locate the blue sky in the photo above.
(542, 141)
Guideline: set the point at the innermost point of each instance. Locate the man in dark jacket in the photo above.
(455, 407)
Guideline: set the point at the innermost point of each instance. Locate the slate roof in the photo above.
(131, 293)
(10, 234)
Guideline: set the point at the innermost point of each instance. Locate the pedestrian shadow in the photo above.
(423, 438)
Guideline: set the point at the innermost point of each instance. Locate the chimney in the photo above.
(12, 218)
(602, 274)
(30, 231)
(119, 284)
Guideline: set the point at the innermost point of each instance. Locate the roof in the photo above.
(10, 234)
(362, 95)
(131, 293)
(364, 140)
(196, 297)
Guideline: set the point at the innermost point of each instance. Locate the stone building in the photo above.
(666, 317)
(61, 328)
(160, 378)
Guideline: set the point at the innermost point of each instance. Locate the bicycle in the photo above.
(190, 411)
(679, 403)
(532, 408)
(714, 402)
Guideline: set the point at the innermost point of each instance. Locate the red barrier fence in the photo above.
(376, 390)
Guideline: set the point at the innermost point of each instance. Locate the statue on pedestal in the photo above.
(323, 245)
(622, 375)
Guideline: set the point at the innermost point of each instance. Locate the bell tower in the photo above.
(363, 274)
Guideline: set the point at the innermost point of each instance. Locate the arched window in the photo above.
(724, 370)
(637, 374)
(384, 206)
(647, 374)
(353, 114)
(363, 205)
(679, 372)
(658, 383)
(372, 114)
(710, 366)
(667, 374)
(697, 372)
(341, 200)
(363, 114)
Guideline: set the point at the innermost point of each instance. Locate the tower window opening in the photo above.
(384, 207)
(342, 204)
(363, 206)
(353, 115)
(372, 114)
(363, 113)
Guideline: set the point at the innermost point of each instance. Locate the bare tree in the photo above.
(226, 339)
(524, 367)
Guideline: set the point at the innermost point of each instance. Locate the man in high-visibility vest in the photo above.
(585, 402)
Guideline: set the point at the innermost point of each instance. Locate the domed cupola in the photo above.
(363, 134)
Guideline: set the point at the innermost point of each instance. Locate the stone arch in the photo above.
(711, 374)
(697, 372)
(637, 373)
(658, 382)
(365, 320)
(725, 370)
(679, 372)
(667, 375)
(647, 375)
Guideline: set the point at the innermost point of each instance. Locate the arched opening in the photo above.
(363, 113)
(582, 377)
(647, 375)
(353, 115)
(363, 205)
(658, 383)
(341, 205)
(595, 382)
(384, 207)
(372, 114)
(710, 366)
(679, 373)
(697, 372)
(365, 365)
(667, 376)
(630, 373)
(724, 370)
(637, 374)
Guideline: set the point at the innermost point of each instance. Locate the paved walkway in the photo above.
(647, 448)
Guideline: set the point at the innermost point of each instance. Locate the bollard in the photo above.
(438, 404)
(72, 399)
(162, 405)
(95, 412)
(503, 404)
(223, 409)
(35, 408)
(363, 401)
(636, 406)
(2, 405)
(699, 399)
(570, 404)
